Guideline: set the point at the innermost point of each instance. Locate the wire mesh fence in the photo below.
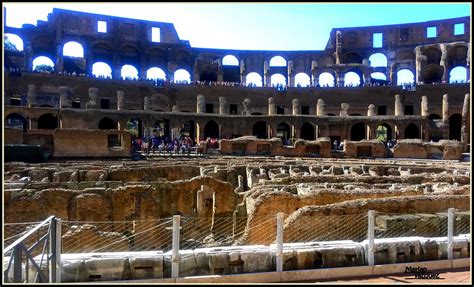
(390, 225)
(13, 231)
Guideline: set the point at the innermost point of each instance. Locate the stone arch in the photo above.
(43, 45)
(101, 51)
(129, 71)
(182, 76)
(48, 122)
(259, 129)
(412, 131)
(405, 55)
(405, 76)
(433, 55)
(155, 57)
(283, 131)
(162, 128)
(457, 56)
(101, 69)
(16, 121)
(183, 58)
(230, 69)
(432, 73)
(352, 58)
(378, 76)
(384, 132)
(378, 60)
(16, 42)
(43, 63)
(327, 79)
(354, 78)
(211, 129)
(135, 127)
(358, 132)
(188, 129)
(107, 124)
(307, 132)
(129, 53)
(73, 49)
(230, 60)
(326, 60)
(277, 61)
(455, 123)
(254, 78)
(277, 78)
(155, 73)
(458, 75)
(302, 80)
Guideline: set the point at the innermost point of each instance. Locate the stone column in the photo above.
(314, 74)
(398, 106)
(321, 108)
(93, 97)
(246, 111)
(465, 133)
(344, 110)
(444, 63)
(340, 79)
(271, 106)
(296, 106)
(201, 104)
(220, 72)
(196, 71)
(59, 65)
(146, 103)
(338, 50)
(175, 108)
(291, 74)
(371, 111)
(31, 95)
(425, 112)
(242, 72)
(28, 56)
(445, 108)
(420, 63)
(372, 133)
(120, 97)
(468, 62)
(222, 106)
(65, 99)
(266, 75)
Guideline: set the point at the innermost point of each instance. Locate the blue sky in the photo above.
(253, 26)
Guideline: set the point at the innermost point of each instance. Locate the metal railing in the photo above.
(35, 257)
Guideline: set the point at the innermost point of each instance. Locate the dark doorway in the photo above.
(412, 132)
(135, 127)
(384, 132)
(162, 128)
(283, 131)
(455, 122)
(358, 132)
(107, 124)
(188, 130)
(16, 121)
(259, 130)
(48, 122)
(307, 132)
(211, 130)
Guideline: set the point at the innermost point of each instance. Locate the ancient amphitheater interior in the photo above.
(255, 204)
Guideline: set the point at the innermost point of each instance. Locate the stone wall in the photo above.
(365, 148)
(12, 136)
(414, 148)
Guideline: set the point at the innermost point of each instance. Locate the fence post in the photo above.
(450, 232)
(370, 237)
(175, 252)
(17, 270)
(55, 247)
(279, 242)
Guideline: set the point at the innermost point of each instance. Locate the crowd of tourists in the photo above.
(163, 145)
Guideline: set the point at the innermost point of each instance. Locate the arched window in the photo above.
(230, 60)
(107, 124)
(326, 79)
(73, 49)
(48, 122)
(101, 69)
(283, 131)
(302, 79)
(211, 130)
(155, 73)
(254, 79)
(259, 129)
(277, 61)
(16, 121)
(182, 76)
(405, 76)
(129, 71)
(43, 63)
(351, 79)
(378, 60)
(278, 79)
(378, 76)
(12, 42)
(458, 75)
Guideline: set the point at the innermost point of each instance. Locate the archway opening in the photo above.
(283, 131)
(48, 122)
(231, 69)
(434, 117)
(384, 132)
(278, 79)
(259, 129)
(432, 73)
(155, 73)
(182, 76)
(73, 49)
(326, 80)
(135, 127)
(230, 60)
(352, 79)
(101, 70)
(107, 124)
(211, 130)
(358, 132)
(378, 60)
(455, 123)
(302, 80)
(188, 130)
(307, 132)
(254, 79)
(43, 64)
(16, 121)
(12, 42)
(378, 76)
(129, 72)
(161, 128)
(412, 132)
(277, 61)
(404, 77)
(458, 75)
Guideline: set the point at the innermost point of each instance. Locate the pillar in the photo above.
(220, 72)
(444, 63)
(201, 104)
(468, 63)
(420, 63)
(340, 79)
(445, 108)
(371, 111)
(222, 106)
(266, 75)
(372, 132)
(296, 106)
(175, 108)
(120, 97)
(465, 122)
(59, 65)
(344, 110)
(291, 74)
(271, 106)
(242, 72)
(31, 95)
(146, 103)
(321, 108)
(425, 112)
(338, 50)
(314, 74)
(196, 71)
(65, 98)
(93, 97)
(246, 111)
(398, 106)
